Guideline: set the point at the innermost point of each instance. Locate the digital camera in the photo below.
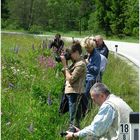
(67, 56)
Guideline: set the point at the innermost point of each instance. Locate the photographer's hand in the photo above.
(67, 73)
(77, 129)
(71, 135)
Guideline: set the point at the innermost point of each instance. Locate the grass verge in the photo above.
(31, 89)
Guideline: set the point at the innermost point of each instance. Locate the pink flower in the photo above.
(42, 60)
(50, 62)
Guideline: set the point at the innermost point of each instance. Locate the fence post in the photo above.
(116, 46)
(134, 125)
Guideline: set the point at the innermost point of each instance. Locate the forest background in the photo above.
(118, 18)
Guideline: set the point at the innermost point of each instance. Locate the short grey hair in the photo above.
(99, 88)
(99, 37)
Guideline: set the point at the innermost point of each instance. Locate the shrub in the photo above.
(36, 29)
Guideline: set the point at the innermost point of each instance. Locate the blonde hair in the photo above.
(88, 41)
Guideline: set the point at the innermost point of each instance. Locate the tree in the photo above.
(4, 10)
(131, 20)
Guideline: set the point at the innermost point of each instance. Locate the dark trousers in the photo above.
(89, 84)
(99, 77)
(74, 109)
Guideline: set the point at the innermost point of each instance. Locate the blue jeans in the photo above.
(74, 109)
(89, 84)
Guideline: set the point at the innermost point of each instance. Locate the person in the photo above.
(101, 46)
(57, 44)
(103, 64)
(75, 79)
(93, 63)
(113, 112)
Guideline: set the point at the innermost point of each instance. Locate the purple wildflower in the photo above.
(16, 50)
(33, 47)
(49, 101)
(11, 85)
(31, 128)
(42, 60)
(44, 45)
(50, 62)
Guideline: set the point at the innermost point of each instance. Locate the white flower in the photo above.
(3, 67)
(12, 67)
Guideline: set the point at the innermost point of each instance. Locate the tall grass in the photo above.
(31, 89)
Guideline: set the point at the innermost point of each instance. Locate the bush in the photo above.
(9, 24)
(93, 24)
(36, 29)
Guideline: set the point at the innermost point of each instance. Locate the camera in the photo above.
(85, 56)
(63, 134)
(71, 129)
(67, 56)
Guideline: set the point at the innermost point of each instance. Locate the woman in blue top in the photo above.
(93, 63)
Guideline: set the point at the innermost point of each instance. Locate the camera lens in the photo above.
(72, 129)
(57, 58)
(63, 134)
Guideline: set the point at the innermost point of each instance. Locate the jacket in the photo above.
(93, 66)
(102, 49)
(77, 81)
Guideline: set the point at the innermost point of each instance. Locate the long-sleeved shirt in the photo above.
(93, 66)
(103, 63)
(102, 49)
(106, 124)
(78, 73)
(101, 122)
(58, 43)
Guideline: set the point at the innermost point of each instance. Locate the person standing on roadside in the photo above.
(101, 46)
(57, 44)
(74, 86)
(93, 63)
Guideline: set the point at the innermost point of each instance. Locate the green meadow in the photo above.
(32, 82)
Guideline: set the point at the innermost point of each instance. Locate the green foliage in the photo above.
(131, 22)
(95, 28)
(31, 89)
(10, 24)
(27, 85)
(123, 81)
(36, 29)
(110, 17)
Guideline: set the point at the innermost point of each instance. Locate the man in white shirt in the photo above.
(112, 113)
